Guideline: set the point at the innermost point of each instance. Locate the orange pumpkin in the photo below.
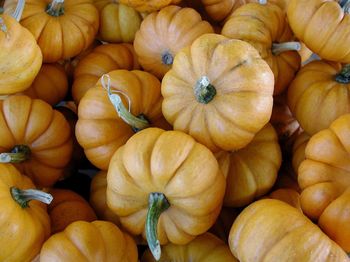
(305, 53)
(21, 57)
(25, 224)
(101, 60)
(205, 248)
(271, 230)
(150, 187)
(163, 34)
(35, 137)
(251, 171)
(266, 28)
(287, 195)
(298, 149)
(50, 85)
(96, 241)
(215, 97)
(62, 28)
(319, 94)
(148, 5)
(323, 26)
(67, 207)
(105, 124)
(324, 178)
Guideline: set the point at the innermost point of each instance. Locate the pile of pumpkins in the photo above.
(212, 130)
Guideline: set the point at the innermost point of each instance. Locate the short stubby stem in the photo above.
(18, 154)
(56, 8)
(344, 76)
(23, 197)
(167, 58)
(157, 204)
(278, 48)
(204, 91)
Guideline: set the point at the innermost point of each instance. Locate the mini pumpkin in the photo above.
(150, 187)
(287, 195)
(219, 91)
(163, 34)
(298, 149)
(148, 5)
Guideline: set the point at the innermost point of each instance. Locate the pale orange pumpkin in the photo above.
(287, 195)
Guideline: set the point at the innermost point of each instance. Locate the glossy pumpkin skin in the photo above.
(98, 198)
(163, 34)
(101, 60)
(205, 248)
(50, 85)
(21, 57)
(315, 97)
(307, 17)
(242, 104)
(148, 5)
(251, 171)
(298, 149)
(32, 122)
(168, 162)
(28, 226)
(63, 35)
(325, 180)
(66, 208)
(265, 25)
(287, 235)
(82, 241)
(100, 130)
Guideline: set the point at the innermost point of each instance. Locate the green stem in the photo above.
(204, 91)
(17, 14)
(23, 197)
(284, 47)
(56, 8)
(157, 204)
(344, 76)
(167, 58)
(18, 154)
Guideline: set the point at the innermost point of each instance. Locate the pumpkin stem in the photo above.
(345, 5)
(284, 47)
(22, 197)
(263, 2)
(157, 204)
(56, 8)
(167, 58)
(18, 154)
(204, 91)
(344, 76)
(137, 123)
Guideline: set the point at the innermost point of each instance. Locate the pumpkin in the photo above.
(118, 22)
(50, 85)
(322, 26)
(67, 207)
(298, 149)
(98, 198)
(148, 5)
(251, 171)
(287, 195)
(25, 224)
(150, 187)
(21, 57)
(325, 180)
(163, 34)
(266, 28)
(283, 234)
(223, 223)
(96, 241)
(219, 91)
(34, 137)
(305, 53)
(319, 94)
(105, 123)
(62, 28)
(101, 60)
(205, 248)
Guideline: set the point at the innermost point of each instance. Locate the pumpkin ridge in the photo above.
(71, 243)
(6, 122)
(78, 27)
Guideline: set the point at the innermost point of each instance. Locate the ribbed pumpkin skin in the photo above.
(28, 226)
(324, 178)
(59, 37)
(205, 248)
(168, 162)
(32, 122)
(164, 34)
(101, 60)
(287, 195)
(251, 171)
(323, 26)
(261, 26)
(21, 57)
(284, 234)
(315, 98)
(298, 154)
(148, 5)
(82, 241)
(243, 101)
